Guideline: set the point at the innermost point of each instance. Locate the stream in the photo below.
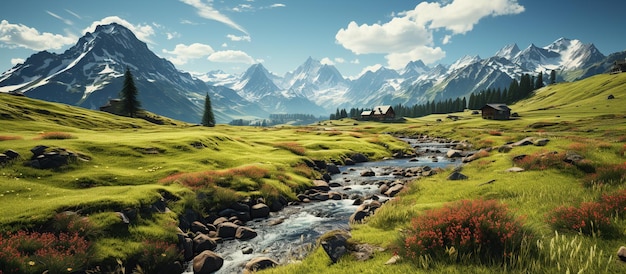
(288, 235)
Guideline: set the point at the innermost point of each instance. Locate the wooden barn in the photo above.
(496, 112)
(379, 113)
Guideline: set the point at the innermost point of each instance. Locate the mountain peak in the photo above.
(508, 51)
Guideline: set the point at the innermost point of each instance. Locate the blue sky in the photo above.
(353, 35)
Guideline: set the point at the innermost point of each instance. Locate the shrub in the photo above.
(158, 255)
(589, 218)
(294, 147)
(495, 133)
(543, 160)
(607, 175)
(482, 229)
(8, 138)
(35, 252)
(209, 178)
(55, 136)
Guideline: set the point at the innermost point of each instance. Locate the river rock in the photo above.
(203, 242)
(227, 230)
(219, 220)
(332, 169)
(368, 173)
(359, 158)
(199, 227)
(259, 263)
(321, 185)
(454, 153)
(245, 233)
(383, 188)
(394, 190)
(259, 210)
(207, 262)
(335, 244)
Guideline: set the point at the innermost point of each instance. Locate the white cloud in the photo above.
(26, 37)
(66, 21)
(143, 32)
(172, 35)
(446, 39)
(224, 45)
(277, 5)
(409, 34)
(73, 13)
(183, 53)
(15, 61)
(205, 10)
(236, 38)
(327, 61)
(332, 62)
(355, 61)
(188, 22)
(231, 56)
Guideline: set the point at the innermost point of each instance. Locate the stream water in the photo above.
(289, 234)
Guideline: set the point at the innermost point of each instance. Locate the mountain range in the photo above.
(91, 72)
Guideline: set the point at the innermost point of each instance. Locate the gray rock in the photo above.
(457, 176)
(245, 233)
(259, 263)
(207, 262)
(202, 243)
(259, 210)
(335, 244)
(227, 230)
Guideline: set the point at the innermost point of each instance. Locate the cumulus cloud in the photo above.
(143, 32)
(327, 61)
(231, 56)
(236, 38)
(15, 61)
(332, 62)
(205, 10)
(18, 35)
(183, 53)
(409, 34)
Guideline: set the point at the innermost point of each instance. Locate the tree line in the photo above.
(516, 91)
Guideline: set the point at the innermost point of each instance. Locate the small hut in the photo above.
(496, 112)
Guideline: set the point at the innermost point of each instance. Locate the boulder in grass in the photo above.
(335, 244)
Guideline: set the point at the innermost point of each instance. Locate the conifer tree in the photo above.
(208, 120)
(128, 95)
(539, 81)
(552, 77)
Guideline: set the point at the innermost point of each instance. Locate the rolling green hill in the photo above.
(125, 164)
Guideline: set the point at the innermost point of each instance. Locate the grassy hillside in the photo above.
(576, 117)
(132, 164)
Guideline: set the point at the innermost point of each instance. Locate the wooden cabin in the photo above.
(496, 112)
(379, 113)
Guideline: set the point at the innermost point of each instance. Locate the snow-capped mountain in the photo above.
(91, 72)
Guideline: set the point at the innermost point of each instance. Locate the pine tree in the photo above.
(552, 77)
(128, 95)
(208, 120)
(539, 81)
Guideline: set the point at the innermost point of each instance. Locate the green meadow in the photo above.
(129, 163)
